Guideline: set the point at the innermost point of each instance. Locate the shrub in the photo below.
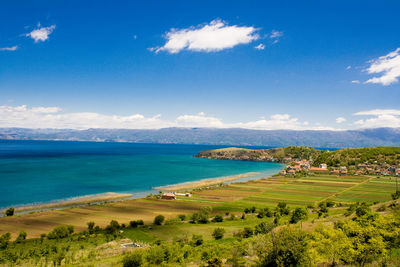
(197, 240)
(218, 218)
(381, 208)
(182, 217)
(21, 237)
(10, 212)
(112, 227)
(90, 226)
(298, 214)
(134, 259)
(218, 233)
(263, 228)
(158, 220)
(282, 209)
(61, 231)
(4, 240)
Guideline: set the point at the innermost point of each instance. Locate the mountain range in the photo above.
(214, 136)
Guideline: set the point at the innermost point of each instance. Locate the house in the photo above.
(168, 196)
(283, 172)
(323, 166)
(291, 172)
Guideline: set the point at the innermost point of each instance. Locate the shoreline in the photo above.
(70, 202)
(191, 185)
(102, 198)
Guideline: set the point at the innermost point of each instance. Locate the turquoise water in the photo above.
(44, 171)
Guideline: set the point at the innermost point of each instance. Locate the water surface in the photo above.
(44, 171)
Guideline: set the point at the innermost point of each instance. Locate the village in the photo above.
(295, 166)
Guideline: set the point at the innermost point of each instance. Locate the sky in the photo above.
(297, 65)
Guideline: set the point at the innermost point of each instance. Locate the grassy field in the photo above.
(231, 198)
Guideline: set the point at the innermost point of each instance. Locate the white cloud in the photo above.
(388, 66)
(41, 34)
(380, 118)
(378, 112)
(275, 34)
(53, 117)
(212, 37)
(50, 117)
(260, 47)
(348, 67)
(340, 120)
(199, 120)
(12, 48)
(355, 81)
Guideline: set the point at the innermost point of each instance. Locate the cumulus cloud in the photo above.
(54, 117)
(199, 120)
(379, 118)
(260, 47)
(41, 34)
(50, 117)
(388, 66)
(12, 48)
(340, 120)
(212, 37)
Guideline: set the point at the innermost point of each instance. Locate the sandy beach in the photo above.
(205, 182)
(75, 201)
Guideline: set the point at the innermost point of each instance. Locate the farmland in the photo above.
(296, 192)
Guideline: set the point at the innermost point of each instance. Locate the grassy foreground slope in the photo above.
(180, 242)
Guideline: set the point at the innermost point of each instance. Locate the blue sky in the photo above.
(151, 64)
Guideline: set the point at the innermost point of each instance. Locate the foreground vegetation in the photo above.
(280, 221)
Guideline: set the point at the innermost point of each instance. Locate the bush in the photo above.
(263, 228)
(158, 220)
(112, 227)
(61, 231)
(218, 218)
(136, 223)
(90, 226)
(298, 214)
(282, 209)
(197, 240)
(182, 217)
(218, 233)
(381, 208)
(21, 237)
(4, 240)
(134, 259)
(10, 212)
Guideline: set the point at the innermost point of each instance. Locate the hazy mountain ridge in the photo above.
(232, 136)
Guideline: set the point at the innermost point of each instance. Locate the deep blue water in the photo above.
(43, 171)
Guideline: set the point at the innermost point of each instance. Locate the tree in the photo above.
(158, 220)
(10, 212)
(61, 231)
(134, 259)
(218, 218)
(286, 247)
(282, 209)
(4, 240)
(90, 226)
(21, 237)
(298, 215)
(218, 233)
(263, 228)
(182, 217)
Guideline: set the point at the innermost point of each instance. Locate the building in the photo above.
(168, 196)
(318, 170)
(323, 166)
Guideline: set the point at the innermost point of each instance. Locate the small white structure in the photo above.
(323, 166)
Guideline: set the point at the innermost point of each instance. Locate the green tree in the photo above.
(90, 226)
(218, 218)
(299, 214)
(10, 212)
(286, 247)
(158, 220)
(5, 240)
(134, 259)
(21, 237)
(218, 233)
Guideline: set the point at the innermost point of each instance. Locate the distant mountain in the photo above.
(235, 137)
